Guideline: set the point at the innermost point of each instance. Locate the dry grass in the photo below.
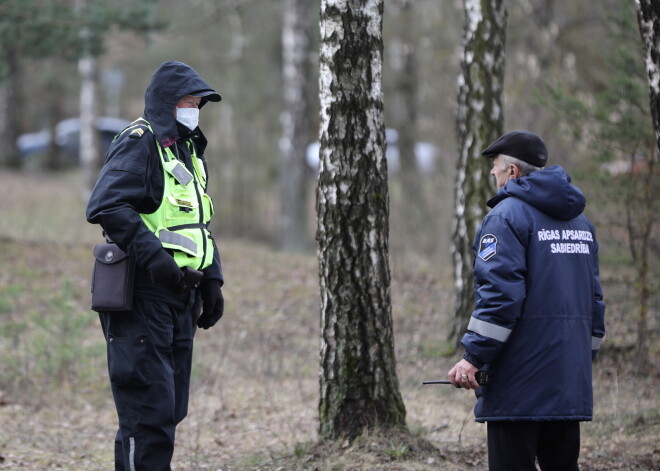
(255, 379)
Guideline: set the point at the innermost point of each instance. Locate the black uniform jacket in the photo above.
(131, 181)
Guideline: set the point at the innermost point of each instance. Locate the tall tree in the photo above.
(295, 128)
(359, 385)
(479, 121)
(10, 92)
(648, 17)
(406, 79)
(88, 73)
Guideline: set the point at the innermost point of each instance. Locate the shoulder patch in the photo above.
(136, 133)
(487, 247)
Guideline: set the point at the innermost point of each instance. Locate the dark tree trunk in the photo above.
(293, 231)
(10, 106)
(55, 158)
(359, 385)
(479, 122)
(406, 117)
(648, 17)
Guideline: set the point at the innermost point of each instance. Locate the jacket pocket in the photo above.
(127, 360)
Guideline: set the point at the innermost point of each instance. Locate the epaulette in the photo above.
(136, 131)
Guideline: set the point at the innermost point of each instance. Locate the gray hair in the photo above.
(524, 167)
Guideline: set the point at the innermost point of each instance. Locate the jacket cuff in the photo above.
(473, 360)
(213, 272)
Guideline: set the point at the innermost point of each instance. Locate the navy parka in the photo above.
(539, 310)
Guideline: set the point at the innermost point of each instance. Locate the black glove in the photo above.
(213, 304)
(163, 269)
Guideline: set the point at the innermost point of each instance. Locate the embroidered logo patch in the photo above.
(487, 247)
(184, 203)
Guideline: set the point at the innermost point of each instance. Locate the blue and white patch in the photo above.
(487, 247)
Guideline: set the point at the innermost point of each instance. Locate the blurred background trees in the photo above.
(479, 122)
(296, 133)
(615, 123)
(558, 72)
(39, 42)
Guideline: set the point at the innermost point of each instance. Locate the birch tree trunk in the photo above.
(648, 17)
(292, 222)
(479, 122)
(88, 142)
(87, 71)
(359, 385)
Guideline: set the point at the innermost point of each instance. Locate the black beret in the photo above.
(523, 145)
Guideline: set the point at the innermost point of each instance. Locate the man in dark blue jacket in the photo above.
(539, 312)
(151, 200)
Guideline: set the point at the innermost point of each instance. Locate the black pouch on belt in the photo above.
(112, 279)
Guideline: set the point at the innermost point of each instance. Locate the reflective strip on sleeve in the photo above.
(489, 330)
(179, 240)
(595, 342)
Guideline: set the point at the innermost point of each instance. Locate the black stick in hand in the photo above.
(481, 376)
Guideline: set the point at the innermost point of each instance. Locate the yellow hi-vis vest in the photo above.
(181, 220)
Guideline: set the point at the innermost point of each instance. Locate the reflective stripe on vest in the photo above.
(167, 237)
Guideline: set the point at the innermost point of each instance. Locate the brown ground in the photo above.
(255, 381)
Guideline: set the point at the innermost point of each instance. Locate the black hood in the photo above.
(171, 82)
(548, 190)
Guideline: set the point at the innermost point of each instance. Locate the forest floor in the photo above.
(254, 395)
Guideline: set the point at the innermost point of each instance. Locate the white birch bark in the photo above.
(648, 16)
(87, 72)
(479, 122)
(359, 385)
(88, 151)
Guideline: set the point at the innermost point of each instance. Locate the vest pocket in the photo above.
(207, 205)
(127, 360)
(180, 209)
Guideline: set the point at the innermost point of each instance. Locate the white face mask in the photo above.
(189, 117)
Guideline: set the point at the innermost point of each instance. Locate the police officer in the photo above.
(151, 200)
(539, 313)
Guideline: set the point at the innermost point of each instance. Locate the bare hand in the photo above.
(462, 375)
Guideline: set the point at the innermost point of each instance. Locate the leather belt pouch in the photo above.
(112, 279)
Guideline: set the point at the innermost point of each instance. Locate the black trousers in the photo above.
(515, 446)
(149, 362)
